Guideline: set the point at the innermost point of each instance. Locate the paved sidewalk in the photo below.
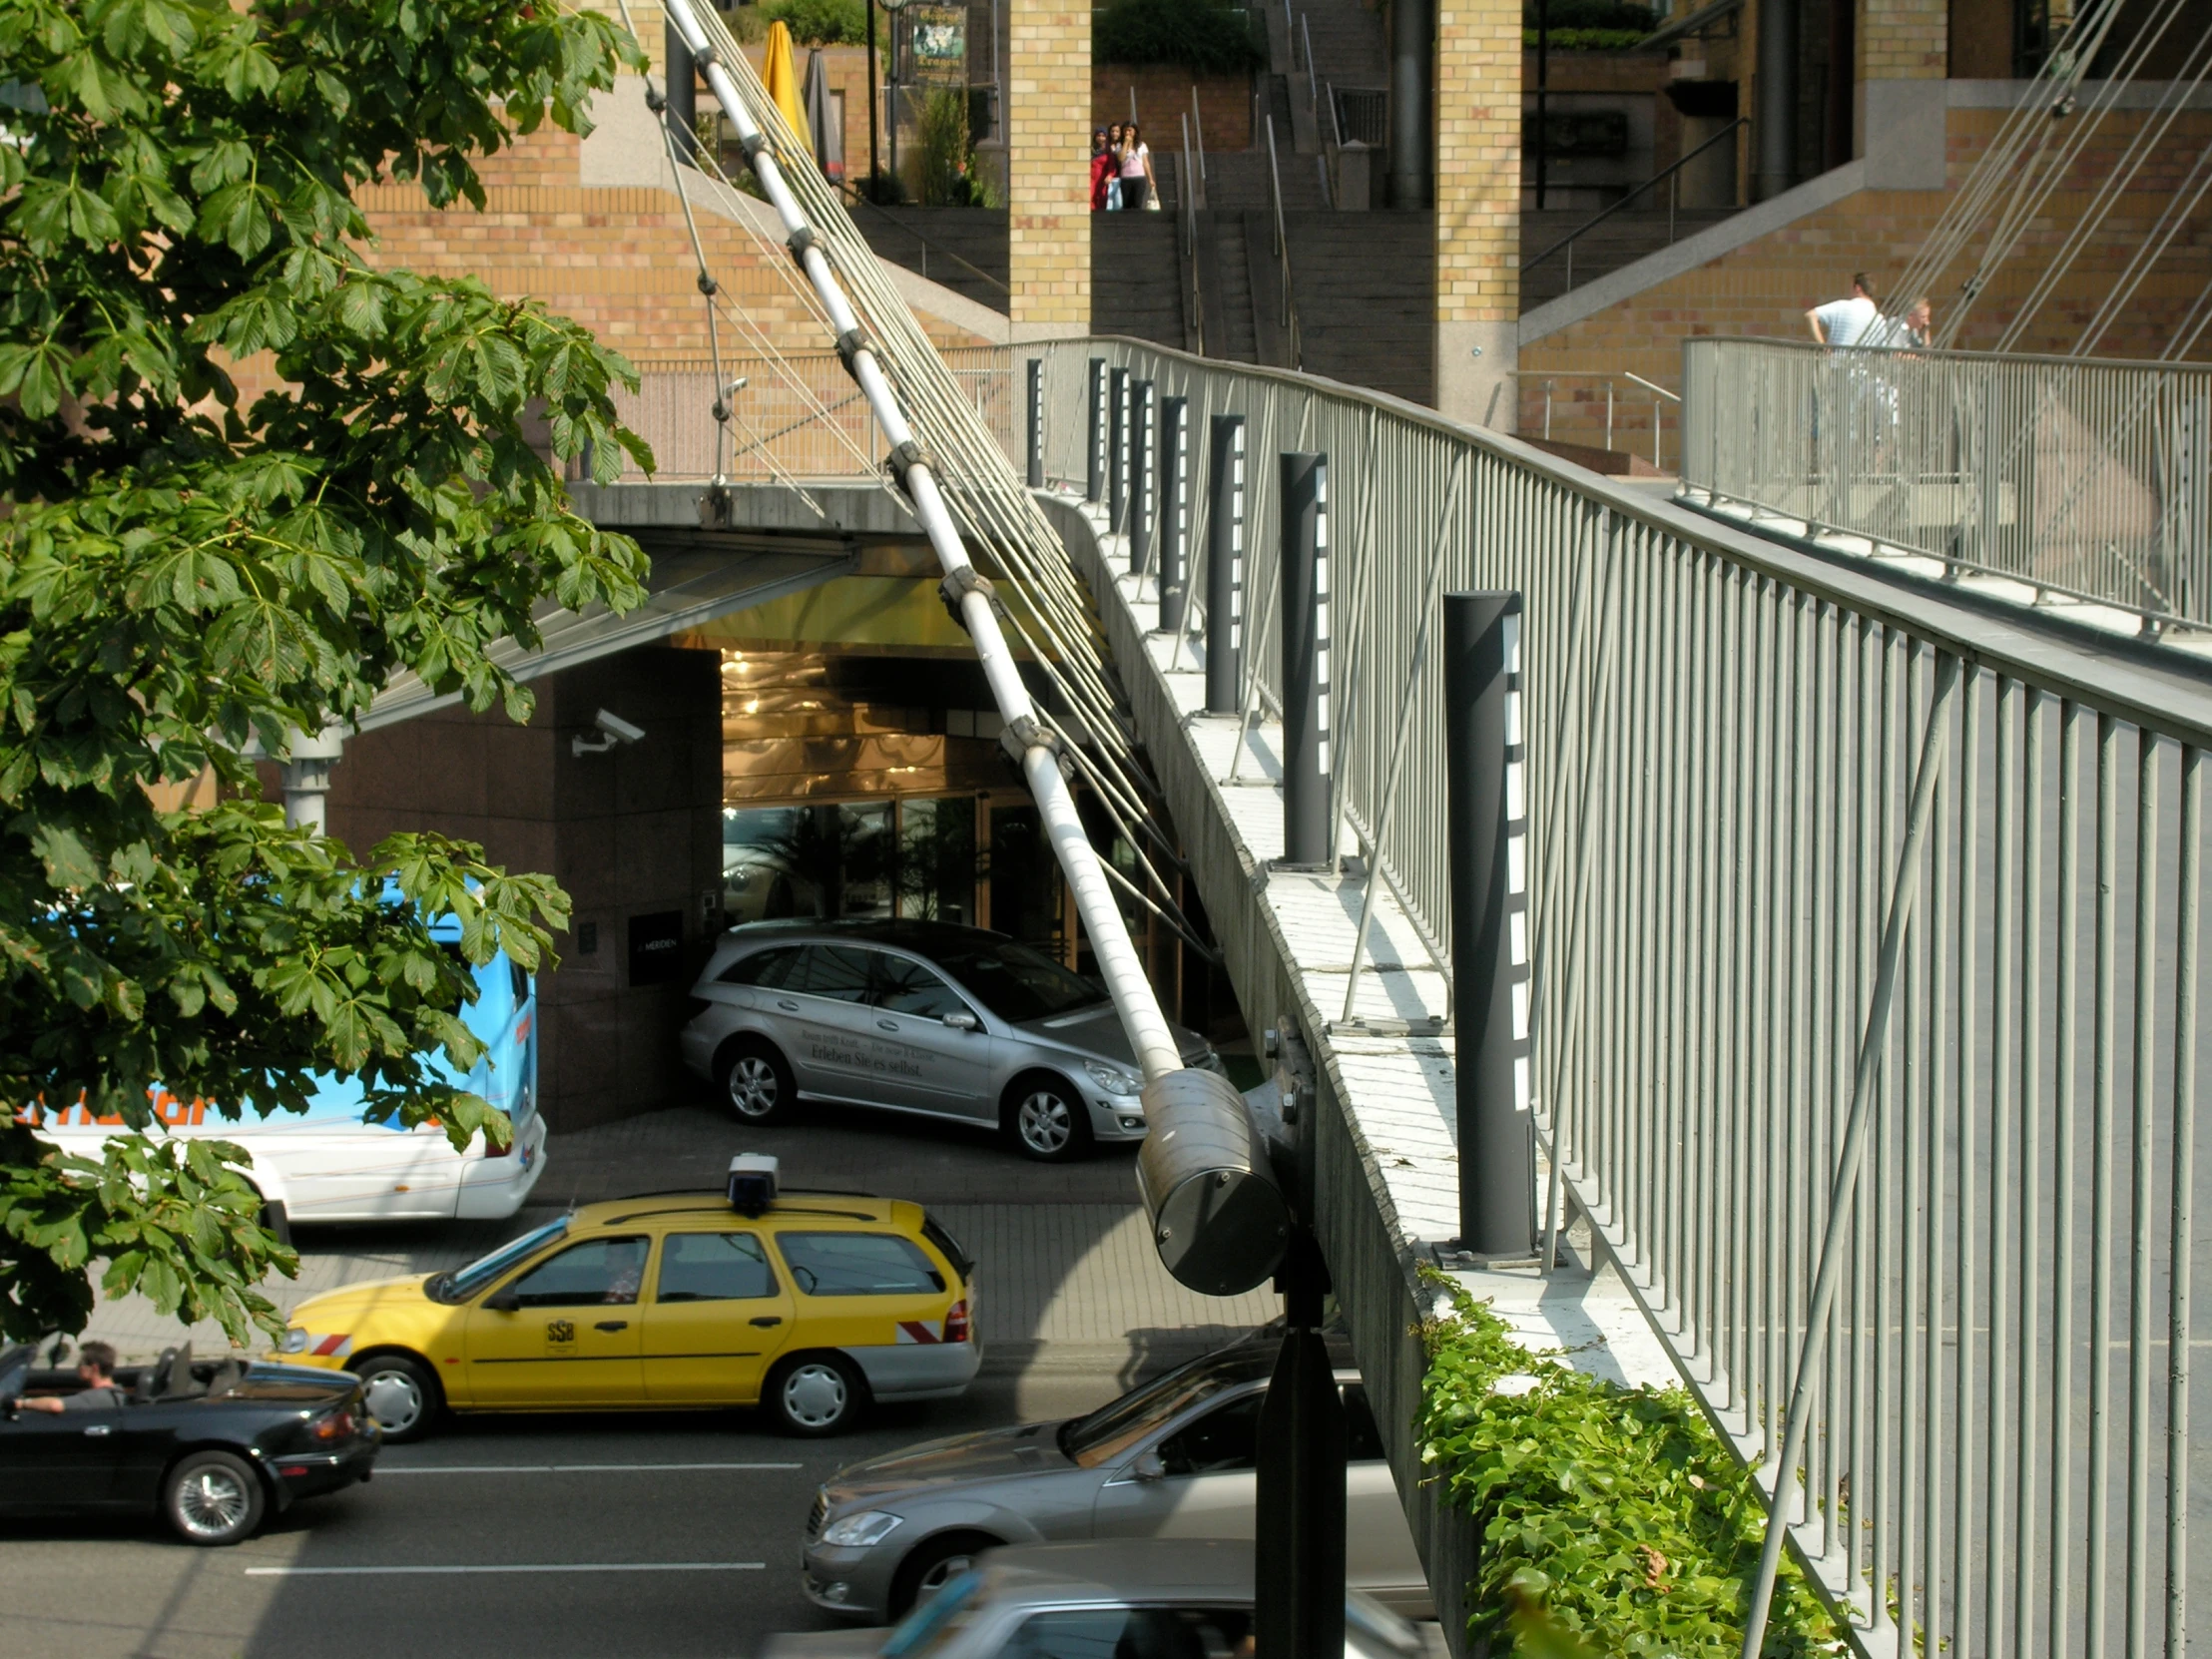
(1066, 1275)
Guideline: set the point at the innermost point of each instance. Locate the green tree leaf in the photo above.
(182, 575)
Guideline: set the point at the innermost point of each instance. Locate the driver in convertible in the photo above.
(96, 1370)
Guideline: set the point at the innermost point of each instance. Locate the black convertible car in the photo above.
(213, 1445)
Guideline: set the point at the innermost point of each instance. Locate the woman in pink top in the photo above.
(1136, 168)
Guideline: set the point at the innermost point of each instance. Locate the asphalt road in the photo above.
(668, 1535)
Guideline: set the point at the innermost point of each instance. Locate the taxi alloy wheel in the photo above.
(213, 1499)
(758, 1085)
(816, 1396)
(1050, 1122)
(400, 1394)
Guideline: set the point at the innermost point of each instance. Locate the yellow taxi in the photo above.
(807, 1303)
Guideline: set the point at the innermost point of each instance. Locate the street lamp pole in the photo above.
(874, 169)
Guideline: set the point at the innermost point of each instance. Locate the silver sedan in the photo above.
(1174, 1459)
(1090, 1601)
(917, 1017)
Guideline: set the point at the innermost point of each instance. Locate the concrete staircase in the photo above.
(1622, 240)
(964, 248)
(1137, 277)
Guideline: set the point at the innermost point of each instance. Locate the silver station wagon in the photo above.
(917, 1017)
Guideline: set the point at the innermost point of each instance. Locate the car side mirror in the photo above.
(961, 1021)
(503, 1300)
(1148, 1466)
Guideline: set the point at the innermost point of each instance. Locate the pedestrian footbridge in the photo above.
(1853, 929)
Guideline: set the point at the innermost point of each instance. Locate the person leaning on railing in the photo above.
(1846, 322)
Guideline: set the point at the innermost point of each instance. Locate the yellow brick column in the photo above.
(1048, 180)
(1478, 160)
(1903, 40)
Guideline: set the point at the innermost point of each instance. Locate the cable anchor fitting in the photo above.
(1024, 733)
(903, 458)
(960, 584)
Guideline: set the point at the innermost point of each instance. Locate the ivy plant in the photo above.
(246, 476)
(1612, 1520)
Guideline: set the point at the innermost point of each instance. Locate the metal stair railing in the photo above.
(1670, 175)
(1288, 310)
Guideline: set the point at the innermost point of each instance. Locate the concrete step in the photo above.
(1235, 341)
(1237, 182)
(1620, 241)
(1136, 276)
(963, 249)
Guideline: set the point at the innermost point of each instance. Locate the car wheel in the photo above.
(403, 1395)
(1049, 1120)
(933, 1566)
(814, 1395)
(757, 1084)
(212, 1498)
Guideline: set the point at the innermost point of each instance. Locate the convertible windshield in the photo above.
(1016, 982)
(459, 1286)
(1112, 1429)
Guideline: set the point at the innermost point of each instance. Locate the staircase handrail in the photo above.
(1603, 214)
(1283, 252)
(1186, 210)
(1198, 136)
(1313, 83)
(852, 194)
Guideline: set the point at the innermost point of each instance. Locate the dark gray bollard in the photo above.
(1498, 1146)
(1117, 435)
(1144, 476)
(1225, 550)
(1094, 459)
(1174, 513)
(1036, 424)
(1305, 827)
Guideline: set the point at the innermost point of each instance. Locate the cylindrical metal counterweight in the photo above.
(1218, 1221)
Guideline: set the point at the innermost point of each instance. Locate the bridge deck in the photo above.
(1388, 1175)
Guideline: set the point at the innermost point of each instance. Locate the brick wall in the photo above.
(1477, 172)
(1048, 239)
(1905, 40)
(617, 258)
(1765, 289)
(1164, 100)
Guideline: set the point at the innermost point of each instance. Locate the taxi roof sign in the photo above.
(753, 1182)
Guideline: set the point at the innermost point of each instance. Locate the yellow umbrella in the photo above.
(782, 79)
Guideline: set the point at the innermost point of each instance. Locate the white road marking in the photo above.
(554, 1566)
(569, 1469)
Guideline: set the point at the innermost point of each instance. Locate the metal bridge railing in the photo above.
(2087, 479)
(1865, 938)
(795, 416)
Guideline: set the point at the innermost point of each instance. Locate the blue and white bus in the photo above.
(328, 1164)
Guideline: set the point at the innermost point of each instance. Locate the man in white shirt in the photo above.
(1845, 321)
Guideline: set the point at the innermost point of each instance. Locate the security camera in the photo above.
(614, 730)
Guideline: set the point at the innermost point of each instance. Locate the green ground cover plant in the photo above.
(1613, 1520)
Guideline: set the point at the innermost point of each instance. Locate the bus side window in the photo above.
(520, 981)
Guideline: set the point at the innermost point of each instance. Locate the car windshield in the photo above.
(935, 1621)
(1018, 983)
(1112, 1429)
(459, 1286)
